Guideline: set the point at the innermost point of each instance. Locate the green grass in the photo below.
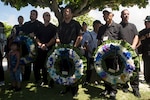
(91, 92)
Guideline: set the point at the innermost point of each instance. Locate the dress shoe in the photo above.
(125, 90)
(137, 93)
(112, 96)
(85, 83)
(75, 95)
(63, 92)
(104, 93)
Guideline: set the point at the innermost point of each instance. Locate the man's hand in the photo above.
(57, 41)
(31, 35)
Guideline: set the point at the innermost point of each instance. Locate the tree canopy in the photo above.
(85, 18)
(7, 29)
(79, 7)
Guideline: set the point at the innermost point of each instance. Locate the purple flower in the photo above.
(105, 48)
(103, 74)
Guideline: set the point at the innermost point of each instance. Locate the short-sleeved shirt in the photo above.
(94, 38)
(30, 27)
(145, 44)
(46, 33)
(129, 31)
(112, 32)
(86, 38)
(69, 31)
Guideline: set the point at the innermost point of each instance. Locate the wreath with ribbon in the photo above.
(65, 65)
(29, 48)
(121, 52)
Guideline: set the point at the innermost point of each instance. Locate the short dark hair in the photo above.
(35, 12)
(84, 23)
(68, 7)
(96, 22)
(20, 17)
(1, 24)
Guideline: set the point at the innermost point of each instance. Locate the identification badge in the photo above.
(105, 38)
(111, 70)
(64, 73)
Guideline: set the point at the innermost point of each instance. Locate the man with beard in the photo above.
(69, 30)
(30, 28)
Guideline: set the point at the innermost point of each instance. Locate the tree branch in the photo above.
(55, 8)
(82, 6)
(82, 12)
(53, 5)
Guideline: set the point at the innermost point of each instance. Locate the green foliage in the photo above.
(79, 7)
(85, 18)
(7, 29)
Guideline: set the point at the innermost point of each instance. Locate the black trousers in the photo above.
(73, 88)
(134, 80)
(146, 59)
(111, 63)
(90, 63)
(1, 69)
(27, 67)
(40, 64)
(27, 72)
(66, 65)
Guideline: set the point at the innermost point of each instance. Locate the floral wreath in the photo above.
(54, 57)
(31, 47)
(126, 54)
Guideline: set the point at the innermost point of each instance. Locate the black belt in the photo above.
(146, 53)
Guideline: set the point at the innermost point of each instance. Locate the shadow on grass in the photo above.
(94, 92)
(32, 92)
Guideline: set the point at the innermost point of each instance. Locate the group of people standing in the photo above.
(46, 35)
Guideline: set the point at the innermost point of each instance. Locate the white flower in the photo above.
(77, 62)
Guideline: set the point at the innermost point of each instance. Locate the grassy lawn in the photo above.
(91, 92)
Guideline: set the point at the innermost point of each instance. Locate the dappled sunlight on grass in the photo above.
(82, 93)
(30, 91)
(29, 85)
(32, 87)
(9, 93)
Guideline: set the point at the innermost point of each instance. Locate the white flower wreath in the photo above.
(78, 63)
(31, 47)
(126, 54)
